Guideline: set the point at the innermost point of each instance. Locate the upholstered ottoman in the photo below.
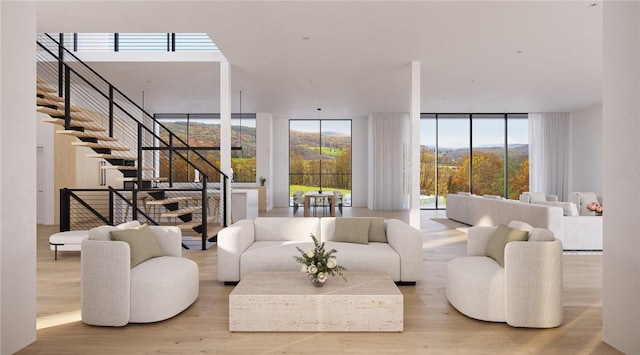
(67, 241)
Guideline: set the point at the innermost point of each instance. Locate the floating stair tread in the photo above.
(51, 97)
(180, 212)
(124, 167)
(143, 179)
(59, 105)
(197, 222)
(111, 156)
(81, 134)
(84, 125)
(167, 200)
(40, 87)
(101, 146)
(77, 116)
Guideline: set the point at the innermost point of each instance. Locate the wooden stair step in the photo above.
(112, 156)
(101, 146)
(167, 200)
(197, 222)
(86, 126)
(77, 116)
(51, 97)
(159, 178)
(81, 134)
(180, 212)
(40, 87)
(124, 167)
(60, 105)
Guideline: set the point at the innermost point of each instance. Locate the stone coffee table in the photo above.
(288, 302)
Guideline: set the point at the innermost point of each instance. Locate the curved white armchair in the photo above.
(114, 294)
(527, 292)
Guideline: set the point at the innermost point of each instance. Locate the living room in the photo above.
(619, 212)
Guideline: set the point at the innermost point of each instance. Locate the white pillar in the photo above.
(225, 128)
(414, 195)
(264, 165)
(17, 175)
(621, 175)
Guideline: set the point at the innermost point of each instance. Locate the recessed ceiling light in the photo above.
(305, 38)
(518, 52)
(319, 109)
(594, 4)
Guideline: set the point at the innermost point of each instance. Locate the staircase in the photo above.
(132, 142)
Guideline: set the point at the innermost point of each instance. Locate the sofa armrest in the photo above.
(478, 239)
(552, 198)
(105, 282)
(232, 242)
(533, 299)
(407, 242)
(169, 238)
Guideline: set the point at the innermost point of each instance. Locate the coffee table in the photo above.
(288, 302)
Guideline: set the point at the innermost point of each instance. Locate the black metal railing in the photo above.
(112, 111)
(139, 42)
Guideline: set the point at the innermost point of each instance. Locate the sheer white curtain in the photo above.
(549, 160)
(388, 161)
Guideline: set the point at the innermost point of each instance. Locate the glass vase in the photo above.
(315, 282)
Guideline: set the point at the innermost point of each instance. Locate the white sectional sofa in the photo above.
(269, 244)
(575, 232)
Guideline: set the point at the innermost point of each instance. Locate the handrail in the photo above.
(129, 101)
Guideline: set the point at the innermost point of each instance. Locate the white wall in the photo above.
(280, 146)
(359, 162)
(17, 175)
(586, 150)
(621, 173)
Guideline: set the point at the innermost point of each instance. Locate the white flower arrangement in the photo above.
(318, 263)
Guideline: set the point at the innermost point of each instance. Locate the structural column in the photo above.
(225, 129)
(621, 174)
(17, 175)
(414, 193)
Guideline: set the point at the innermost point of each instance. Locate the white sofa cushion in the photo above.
(475, 286)
(369, 257)
(537, 197)
(586, 198)
(568, 208)
(286, 228)
(272, 256)
(162, 287)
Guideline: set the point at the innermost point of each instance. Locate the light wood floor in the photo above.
(431, 325)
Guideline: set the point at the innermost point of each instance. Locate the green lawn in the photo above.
(305, 189)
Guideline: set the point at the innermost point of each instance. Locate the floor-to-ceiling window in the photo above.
(485, 154)
(453, 151)
(202, 131)
(320, 156)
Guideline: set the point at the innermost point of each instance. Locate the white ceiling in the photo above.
(476, 56)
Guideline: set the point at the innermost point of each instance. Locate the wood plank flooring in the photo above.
(431, 325)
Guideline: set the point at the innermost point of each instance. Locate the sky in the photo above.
(454, 133)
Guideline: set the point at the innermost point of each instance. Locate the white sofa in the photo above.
(114, 294)
(532, 197)
(527, 292)
(269, 244)
(575, 232)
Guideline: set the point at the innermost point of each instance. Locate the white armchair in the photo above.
(583, 199)
(114, 294)
(530, 197)
(527, 292)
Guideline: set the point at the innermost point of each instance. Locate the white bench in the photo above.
(67, 241)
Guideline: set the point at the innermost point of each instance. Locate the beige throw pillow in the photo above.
(377, 230)
(500, 238)
(352, 230)
(142, 244)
